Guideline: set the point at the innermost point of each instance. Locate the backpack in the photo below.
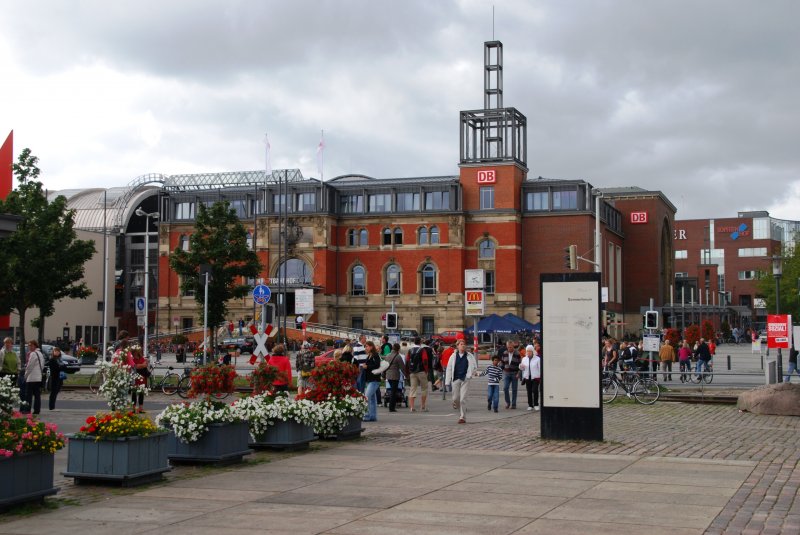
(416, 360)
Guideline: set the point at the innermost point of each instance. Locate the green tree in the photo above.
(43, 261)
(790, 284)
(220, 242)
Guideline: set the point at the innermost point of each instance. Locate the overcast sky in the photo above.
(698, 99)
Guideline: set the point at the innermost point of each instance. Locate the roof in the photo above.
(368, 181)
(635, 192)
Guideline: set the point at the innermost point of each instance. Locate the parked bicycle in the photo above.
(168, 383)
(644, 390)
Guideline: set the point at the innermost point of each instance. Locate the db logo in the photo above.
(487, 177)
(638, 217)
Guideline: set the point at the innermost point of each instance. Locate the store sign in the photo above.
(778, 326)
(679, 234)
(304, 301)
(638, 218)
(487, 177)
(473, 303)
(735, 231)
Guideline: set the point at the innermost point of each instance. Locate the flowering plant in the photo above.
(9, 396)
(118, 382)
(263, 378)
(263, 410)
(87, 352)
(333, 415)
(189, 421)
(212, 379)
(21, 434)
(118, 424)
(336, 398)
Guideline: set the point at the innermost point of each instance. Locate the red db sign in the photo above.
(487, 177)
(637, 218)
(778, 331)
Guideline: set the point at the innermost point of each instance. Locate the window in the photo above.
(357, 322)
(387, 236)
(565, 200)
(488, 281)
(183, 242)
(351, 237)
(296, 271)
(761, 228)
(240, 207)
(352, 204)
(712, 256)
(358, 283)
(362, 237)
(407, 202)
(437, 200)
(537, 200)
(306, 202)
(428, 280)
(422, 236)
(278, 203)
(393, 280)
(434, 235)
(184, 210)
(748, 275)
(681, 275)
(753, 251)
(487, 197)
(486, 249)
(428, 328)
(681, 255)
(380, 202)
(249, 240)
(398, 236)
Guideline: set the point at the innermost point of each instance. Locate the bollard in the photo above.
(762, 361)
(729, 363)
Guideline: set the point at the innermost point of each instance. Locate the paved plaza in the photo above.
(667, 468)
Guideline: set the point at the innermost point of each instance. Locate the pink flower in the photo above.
(6, 453)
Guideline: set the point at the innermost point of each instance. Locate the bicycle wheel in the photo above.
(95, 381)
(646, 391)
(169, 385)
(609, 390)
(183, 387)
(221, 395)
(709, 375)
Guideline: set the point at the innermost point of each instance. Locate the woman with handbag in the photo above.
(34, 371)
(393, 372)
(531, 367)
(141, 367)
(57, 375)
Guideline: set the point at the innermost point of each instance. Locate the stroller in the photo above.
(400, 398)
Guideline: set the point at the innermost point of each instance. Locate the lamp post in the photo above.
(147, 216)
(777, 272)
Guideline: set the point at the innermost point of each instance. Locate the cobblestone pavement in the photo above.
(768, 501)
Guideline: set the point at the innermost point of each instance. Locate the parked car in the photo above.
(408, 334)
(245, 344)
(447, 337)
(72, 365)
(324, 358)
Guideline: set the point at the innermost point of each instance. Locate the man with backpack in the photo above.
(419, 364)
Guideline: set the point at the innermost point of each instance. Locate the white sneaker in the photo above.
(530, 408)
(536, 408)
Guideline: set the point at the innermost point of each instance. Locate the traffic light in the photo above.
(651, 319)
(391, 320)
(571, 257)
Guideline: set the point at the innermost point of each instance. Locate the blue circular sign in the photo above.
(261, 294)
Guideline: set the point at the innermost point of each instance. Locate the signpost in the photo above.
(474, 306)
(140, 306)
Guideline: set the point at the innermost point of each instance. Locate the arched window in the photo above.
(249, 240)
(398, 236)
(296, 271)
(358, 281)
(428, 282)
(183, 242)
(387, 236)
(362, 237)
(422, 236)
(392, 280)
(434, 234)
(486, 249)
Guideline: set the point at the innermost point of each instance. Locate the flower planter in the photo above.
(222, 443)
(285, 435)
(88, 360)
(129, 461)
(26, 477)
(352, 429)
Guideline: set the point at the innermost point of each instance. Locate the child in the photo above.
(494, 372)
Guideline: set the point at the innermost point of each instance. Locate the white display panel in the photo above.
(570, 331)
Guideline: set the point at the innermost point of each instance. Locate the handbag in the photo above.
(382, 368)
(62, 376)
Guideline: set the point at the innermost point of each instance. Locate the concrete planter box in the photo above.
(26, 477)
(129, 461)
(285, 435)
(351, 430)
(223, 443)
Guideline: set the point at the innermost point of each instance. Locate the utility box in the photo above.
(771, 371)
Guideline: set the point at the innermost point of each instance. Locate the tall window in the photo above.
(434, 235)
(387, 236)
(380, 202)
(565, 200)
(306, 202)
(352, 204)
(278, 203)
(183, 242)
(398, 236)
(488, 281)
(537, 200)
(240, 207)
(486, 249)
(437, 200)
(422, 236)
(428, 327)
(393, 280)
(296, 270)
(358, 282)
(428, 279)
(487, 197)
(184, 210)
(351, 237)
(407, 202)
(362, 237)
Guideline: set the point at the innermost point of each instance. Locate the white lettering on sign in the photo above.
(487, 177)
(638, 218)
(679, 234)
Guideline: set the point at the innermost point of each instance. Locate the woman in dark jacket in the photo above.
(395, 360)
(373, 381)
(56, 366)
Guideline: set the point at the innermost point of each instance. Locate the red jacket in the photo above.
(282, 363)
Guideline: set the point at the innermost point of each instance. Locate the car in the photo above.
(408, 334)
(71, 364)
(324, 358)
(448, 337)
(245, 344)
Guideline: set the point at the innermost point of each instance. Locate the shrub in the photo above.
(264, 376)
(708, 330)
(692, 334)
(333, 380)
(212, 379)
(726, 330)
(673, 336)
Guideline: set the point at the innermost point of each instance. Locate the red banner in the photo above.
(778, 326)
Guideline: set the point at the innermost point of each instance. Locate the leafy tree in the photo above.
(219, 241)
(790, 284)
(43, 261)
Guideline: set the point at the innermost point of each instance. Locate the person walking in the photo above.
(393, 372)
(511, 361)
(418, 363)
(531, 368)
(372, 381)
(460, 369)
(34, 371)
(359, 357)
(140, 366)
(494, 373)
(667, 356)
(304, 365)
(792, 365)
(57, 367)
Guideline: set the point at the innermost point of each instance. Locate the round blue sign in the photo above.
(261, 294)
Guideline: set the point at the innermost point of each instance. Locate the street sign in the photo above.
(651, 342)
(304, 301)
(140, 321)
(261, 294)
(140, 308)
(778, 326)
(473, 303)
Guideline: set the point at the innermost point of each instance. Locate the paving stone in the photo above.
(547, 526)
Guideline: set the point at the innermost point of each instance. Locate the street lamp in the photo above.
(777, 272)
(147, 216)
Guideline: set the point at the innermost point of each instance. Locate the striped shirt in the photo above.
(359, 353)
(493, 373)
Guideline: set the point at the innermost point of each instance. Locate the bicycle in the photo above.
(644, 390)
(96, 381)
(706, 376)
(168, 383)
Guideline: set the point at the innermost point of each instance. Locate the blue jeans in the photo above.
(510, 379)
(792, 368)
(362, 378)
(493, 396)
(701, 364)
(372, 411)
